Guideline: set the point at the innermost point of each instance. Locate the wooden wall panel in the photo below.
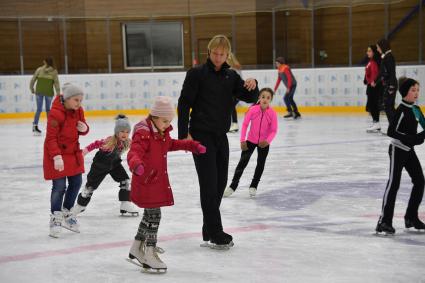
(9, 48)
(331, 36)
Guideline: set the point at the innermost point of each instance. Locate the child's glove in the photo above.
(263, 144)
(244, 146)
(58, 163)
(85, 151)
(199, 149)
(81, 127)
(139, 170)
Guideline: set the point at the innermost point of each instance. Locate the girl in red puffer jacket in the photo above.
(150, 186)
(63, 158)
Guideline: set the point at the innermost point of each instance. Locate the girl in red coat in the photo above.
(150, 187)
(63, 157)
(373, 91)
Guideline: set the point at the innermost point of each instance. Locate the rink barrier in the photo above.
(240, 110)
(319, 90)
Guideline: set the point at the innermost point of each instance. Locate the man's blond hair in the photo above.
(220, 41)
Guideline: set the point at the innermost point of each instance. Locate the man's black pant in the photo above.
(389, 101)
(212, 168)
(243, 162)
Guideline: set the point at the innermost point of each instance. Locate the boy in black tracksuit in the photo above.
(209, 90)
(403, 131)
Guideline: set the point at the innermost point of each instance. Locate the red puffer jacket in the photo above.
(148, 148)
(62, 139)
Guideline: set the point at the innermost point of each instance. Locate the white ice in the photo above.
(312, 221)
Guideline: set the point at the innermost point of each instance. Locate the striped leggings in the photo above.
(400, 159)
(148, 227)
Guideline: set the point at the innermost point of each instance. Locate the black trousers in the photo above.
(234, 112)
(97, 173)
(400, 159)
(389, 101)
(212, 169)
(373, 100)
(243, 162)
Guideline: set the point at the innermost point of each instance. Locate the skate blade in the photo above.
(135, 261)
(383, 234)
(54, 236)
(129, 214)
(72, 230)
(412, 230)
(147, 269)
(373, 131)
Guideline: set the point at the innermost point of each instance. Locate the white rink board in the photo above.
(316, 87)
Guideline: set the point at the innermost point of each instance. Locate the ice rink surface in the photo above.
(312, 220)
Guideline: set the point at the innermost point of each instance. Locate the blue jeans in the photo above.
(39, 99)
(59, 189)
(289, 100)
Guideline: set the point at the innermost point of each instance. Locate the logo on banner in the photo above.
(103, 84)
(334, 78)
(347, 78)
(87, 84)
(145, 83)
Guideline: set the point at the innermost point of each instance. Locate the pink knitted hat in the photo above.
(163, 107)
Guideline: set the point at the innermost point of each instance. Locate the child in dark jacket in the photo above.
(403, 131)
(150, 186)
(107, 161)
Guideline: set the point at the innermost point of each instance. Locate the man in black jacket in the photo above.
(209, 90)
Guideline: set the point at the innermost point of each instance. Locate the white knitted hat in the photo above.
(70, 90)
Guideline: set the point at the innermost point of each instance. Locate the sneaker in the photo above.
(70, 221)
(289, 115)
(376, 127)
(55, 224)
(35, 130)
(228, 192)
(252, 192)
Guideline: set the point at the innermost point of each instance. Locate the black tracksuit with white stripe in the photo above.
(404, 136)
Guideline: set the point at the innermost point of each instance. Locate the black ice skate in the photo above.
(35, 130)
(289, 115)
(414, 224)
(220, 241)
(384, 229)
(297, 115)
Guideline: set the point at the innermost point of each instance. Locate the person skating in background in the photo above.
(107, 161)
(209, 90)
(373, 92)
(150, 186)
(47, 81)
(287, 77)
(387, 77)
(404, 137)
(263, 128)
(236, 66)
(63, 158)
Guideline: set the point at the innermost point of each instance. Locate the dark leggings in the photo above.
(243, 162)
(373, 100)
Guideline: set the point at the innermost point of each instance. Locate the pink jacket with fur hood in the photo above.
(263, 125)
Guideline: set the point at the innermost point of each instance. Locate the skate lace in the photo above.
(155, 254)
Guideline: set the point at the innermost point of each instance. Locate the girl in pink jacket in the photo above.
(263, 120)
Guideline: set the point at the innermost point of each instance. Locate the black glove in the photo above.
(365, 81)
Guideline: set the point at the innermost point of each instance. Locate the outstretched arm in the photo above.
(186, 100)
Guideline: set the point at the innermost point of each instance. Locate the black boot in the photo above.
(385, 228)
(221, 241)
(36, 130)
(297, 115)
(415, 223)
(289, 115)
